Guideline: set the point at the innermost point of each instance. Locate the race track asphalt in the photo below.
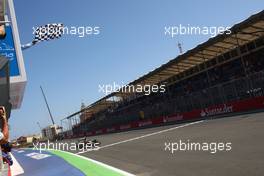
(142, 155)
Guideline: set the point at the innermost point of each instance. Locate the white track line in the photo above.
(124, 173)
(144, 136)
(16, 168)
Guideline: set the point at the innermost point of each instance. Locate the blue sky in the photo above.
(131, 43)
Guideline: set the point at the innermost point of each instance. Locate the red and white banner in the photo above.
(231, 107)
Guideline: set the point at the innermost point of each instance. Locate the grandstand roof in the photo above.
(241, 33)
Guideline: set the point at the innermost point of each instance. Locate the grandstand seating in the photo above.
(229, 77)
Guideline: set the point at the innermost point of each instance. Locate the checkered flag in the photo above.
(48, 32)
(45, 33)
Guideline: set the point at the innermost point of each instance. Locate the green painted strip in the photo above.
(89, 168)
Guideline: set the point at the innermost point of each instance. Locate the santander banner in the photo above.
(216, 111)
(231, 107)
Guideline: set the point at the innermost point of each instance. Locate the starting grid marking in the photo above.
(37, 156)
(31, 154)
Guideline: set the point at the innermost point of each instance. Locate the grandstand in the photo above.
(222, 76)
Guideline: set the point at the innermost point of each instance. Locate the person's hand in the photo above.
(2, 113)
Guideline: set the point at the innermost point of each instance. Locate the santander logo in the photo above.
(173, 118)
(149, 122)
(216, 111)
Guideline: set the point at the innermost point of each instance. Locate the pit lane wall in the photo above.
(230, 108)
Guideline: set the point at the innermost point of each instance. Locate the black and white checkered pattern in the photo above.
(48, 32)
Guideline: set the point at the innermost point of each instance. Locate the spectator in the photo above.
(6, 149)
(4, 133)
